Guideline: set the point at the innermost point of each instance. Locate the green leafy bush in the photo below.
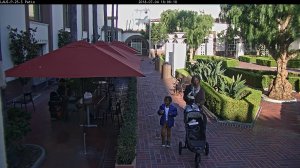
(234, 88)
(227, 108)
(208, 71)
(226, 62)
(182, 73)
(249, 59)
(127, 139)
(252, 79)
(16, 128)
(23, 45)
(261, 79)
(229, 62)
(293, 64)
(266, 62)
(64, 38)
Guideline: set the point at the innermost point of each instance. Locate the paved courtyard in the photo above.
(272, 142)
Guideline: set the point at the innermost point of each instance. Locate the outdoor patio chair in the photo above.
(24, 100)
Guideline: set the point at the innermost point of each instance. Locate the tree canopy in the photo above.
(276, 27)
(196, 25)
(158, 33)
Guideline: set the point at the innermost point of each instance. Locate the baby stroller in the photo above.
(195, 127)
(55, 105)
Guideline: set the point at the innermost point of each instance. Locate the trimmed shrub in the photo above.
(227, 108)
(226, 62)
(295, 83)
(249, 59)
(252, 79)
(127, 139)
(266, 80)
(180, 73)
(261, 79)
(293, 64)
(229, 62)
(266, 62)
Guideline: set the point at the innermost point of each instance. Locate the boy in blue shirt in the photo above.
(167, 111)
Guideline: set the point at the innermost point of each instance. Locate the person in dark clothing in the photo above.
(193, 93)
(62, 90)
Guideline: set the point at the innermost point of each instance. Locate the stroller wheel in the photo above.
(180, 147)
(206, 148)
(197, 159)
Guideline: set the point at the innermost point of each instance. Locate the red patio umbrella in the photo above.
(76, 60)
(124, 46)
(128, 56)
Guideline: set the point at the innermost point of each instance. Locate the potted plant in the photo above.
(16, 127)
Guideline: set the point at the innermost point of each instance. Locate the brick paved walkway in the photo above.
(246, 65)
(273, 142)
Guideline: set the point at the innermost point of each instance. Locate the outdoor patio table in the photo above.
(87, 103)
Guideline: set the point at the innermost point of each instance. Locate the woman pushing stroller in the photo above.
(193, 93)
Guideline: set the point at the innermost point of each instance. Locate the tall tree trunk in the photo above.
(73, 22)
(112, 22)
(105, 22)
(95, 25)
(281, 89)
(191, 54)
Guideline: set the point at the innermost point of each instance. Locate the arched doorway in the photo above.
(139, 43)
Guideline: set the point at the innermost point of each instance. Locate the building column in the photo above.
(2, 139)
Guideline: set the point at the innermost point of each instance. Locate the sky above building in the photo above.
(128, 14)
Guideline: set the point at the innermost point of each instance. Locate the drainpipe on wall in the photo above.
(112, 22)
(95, 32)
(105, 22)
(117, 16)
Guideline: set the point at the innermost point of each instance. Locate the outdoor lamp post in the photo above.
(206, 41)
(149, 33)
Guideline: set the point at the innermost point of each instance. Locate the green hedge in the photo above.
(266, 62)
(293, 64)
(229, 62)
(294, 81)
(181, 73)
(262, 79)
(252, 79)
(226, 62)
(249, 59)
(227, 108)
(127, 138)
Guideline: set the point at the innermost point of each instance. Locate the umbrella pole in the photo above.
(84, 118)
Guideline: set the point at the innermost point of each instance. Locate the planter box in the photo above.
(132, 165)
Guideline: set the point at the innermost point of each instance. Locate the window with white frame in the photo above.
(34, 12)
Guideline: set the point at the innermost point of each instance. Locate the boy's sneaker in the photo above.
(163, 144)
(168, 145)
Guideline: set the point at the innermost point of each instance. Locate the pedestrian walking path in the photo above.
(272, 142)
(246, 65)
